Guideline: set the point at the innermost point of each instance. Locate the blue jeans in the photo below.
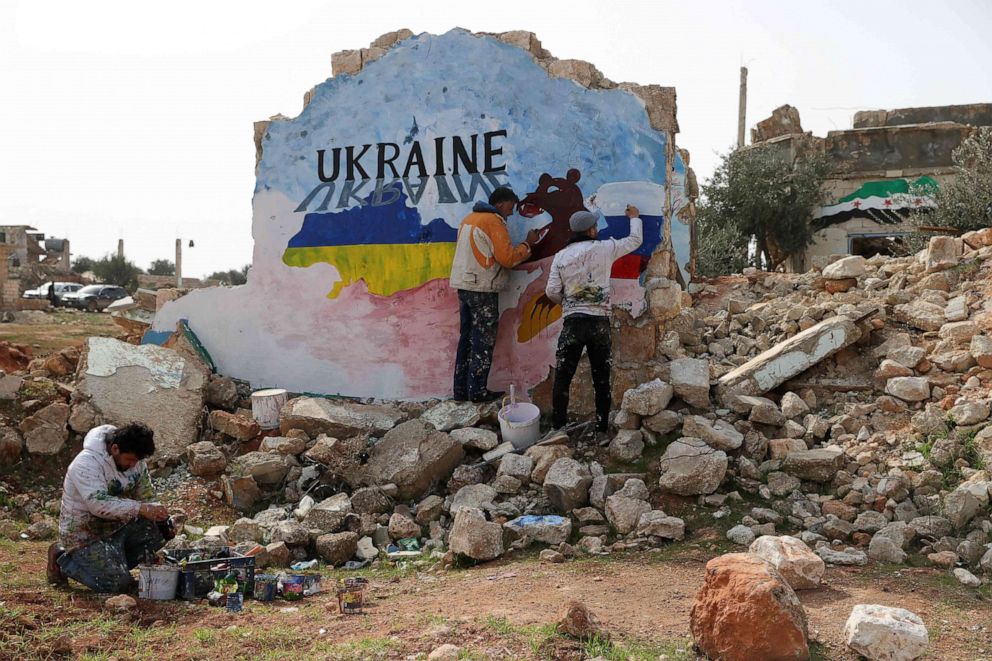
(106, 564)
(479, 319)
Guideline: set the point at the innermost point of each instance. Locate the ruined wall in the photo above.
(358, 200)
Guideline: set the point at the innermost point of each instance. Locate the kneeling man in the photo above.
(107, 524)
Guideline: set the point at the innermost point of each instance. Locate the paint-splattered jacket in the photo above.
(96, 497)
(579, 278)
(483, 252)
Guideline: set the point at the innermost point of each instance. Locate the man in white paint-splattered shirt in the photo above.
(107, 524)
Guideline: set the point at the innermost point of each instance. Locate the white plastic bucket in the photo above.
(158, 582)
(265, 406)
(520, 424)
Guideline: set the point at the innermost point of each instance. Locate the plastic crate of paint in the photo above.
(199, 575)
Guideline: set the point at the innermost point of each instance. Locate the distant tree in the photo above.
(231, 277)
(759, 194)
(963, 201)
(118, 271)
(162, 267)
(82, 264)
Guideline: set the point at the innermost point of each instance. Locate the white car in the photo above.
(61, 289)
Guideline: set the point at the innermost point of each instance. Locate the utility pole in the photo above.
(120, 248)
(179, 263)
(742, 109)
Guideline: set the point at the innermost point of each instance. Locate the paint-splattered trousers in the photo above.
(479, 319)
(592, 333)
(104, 565)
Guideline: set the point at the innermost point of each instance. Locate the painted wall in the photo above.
(358, 200)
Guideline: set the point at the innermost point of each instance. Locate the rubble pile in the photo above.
(832, 417)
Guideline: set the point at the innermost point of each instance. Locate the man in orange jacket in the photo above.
(480, 270)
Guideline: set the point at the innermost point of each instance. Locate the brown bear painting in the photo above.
(560, 198)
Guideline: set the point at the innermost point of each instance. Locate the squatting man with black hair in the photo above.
(108, 523)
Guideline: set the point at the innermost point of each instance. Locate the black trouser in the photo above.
(104, 565)
(581, 331)
(478, 312)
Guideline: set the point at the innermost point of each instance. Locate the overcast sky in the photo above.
(134, 120)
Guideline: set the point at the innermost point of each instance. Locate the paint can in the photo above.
(265, 587)
(235, 601)
(265, 406)
(292, 587)
(157, 582)
(519, 422)
(351, 596)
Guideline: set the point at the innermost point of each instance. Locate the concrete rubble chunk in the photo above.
(336, 418)
(799, 566)
(221, 392)
(548, 529)
(624, 513)
(921, 315)
(886, 633)
(402, 526)
(690, 378)
(516, 465)
(719, 435)
(450, 414)
(567, 484)
(285, 445)
(205, 459)
(981, 350)
(819, 465)
(473, 536)
(690, 467)
(45, 432)
(241, 493)
(648, 399)
(787, 359)
(853, 266)
(473, 496)
(944, 252)
(849, 557)
(475, 438)
(657, 524)
(544, 457)
(966, 578)
(882, 548)
(337, 548)
(329, 514)
(908, 388)
(267, 469)
(793, 406)
(236, 426)
(627, 445)
(158, 386)
(746, 611)
(958, 332)
(413, 456)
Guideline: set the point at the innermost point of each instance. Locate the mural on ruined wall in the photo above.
(358, 201)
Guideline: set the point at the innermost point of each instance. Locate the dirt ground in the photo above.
(48, 332)
(502, 610)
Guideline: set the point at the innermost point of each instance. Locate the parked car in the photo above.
(94, 297)
(61, 289)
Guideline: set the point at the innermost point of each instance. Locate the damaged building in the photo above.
(28, 258)
(880, 172)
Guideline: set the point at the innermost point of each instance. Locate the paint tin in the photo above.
(351, 595)
(235, 600)
(292, 587)
(311, 584)
(158, 582)
(265, 587)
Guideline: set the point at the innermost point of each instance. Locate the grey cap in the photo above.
(582, 220)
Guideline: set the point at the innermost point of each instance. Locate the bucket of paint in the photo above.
(519, 422)
(265, 587)
(292, 587)
(265, 406)
(157, 582)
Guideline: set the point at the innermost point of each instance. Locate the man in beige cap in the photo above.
(580, 281)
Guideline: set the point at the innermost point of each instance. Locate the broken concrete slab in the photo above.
(45, 431)
(451, 414)
(338, 418)
(412, 456)
(789, 358)
(148, 383)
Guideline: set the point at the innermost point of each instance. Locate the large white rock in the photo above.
(157, 386)
(690, 467)
(789, 358)
(567, 484)
(848, 267)
(908, 388)
(690, 377)
(648, 398)
(884, 633)
(719, 434)
(471, 535)
(799, 566)
(943, 252)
